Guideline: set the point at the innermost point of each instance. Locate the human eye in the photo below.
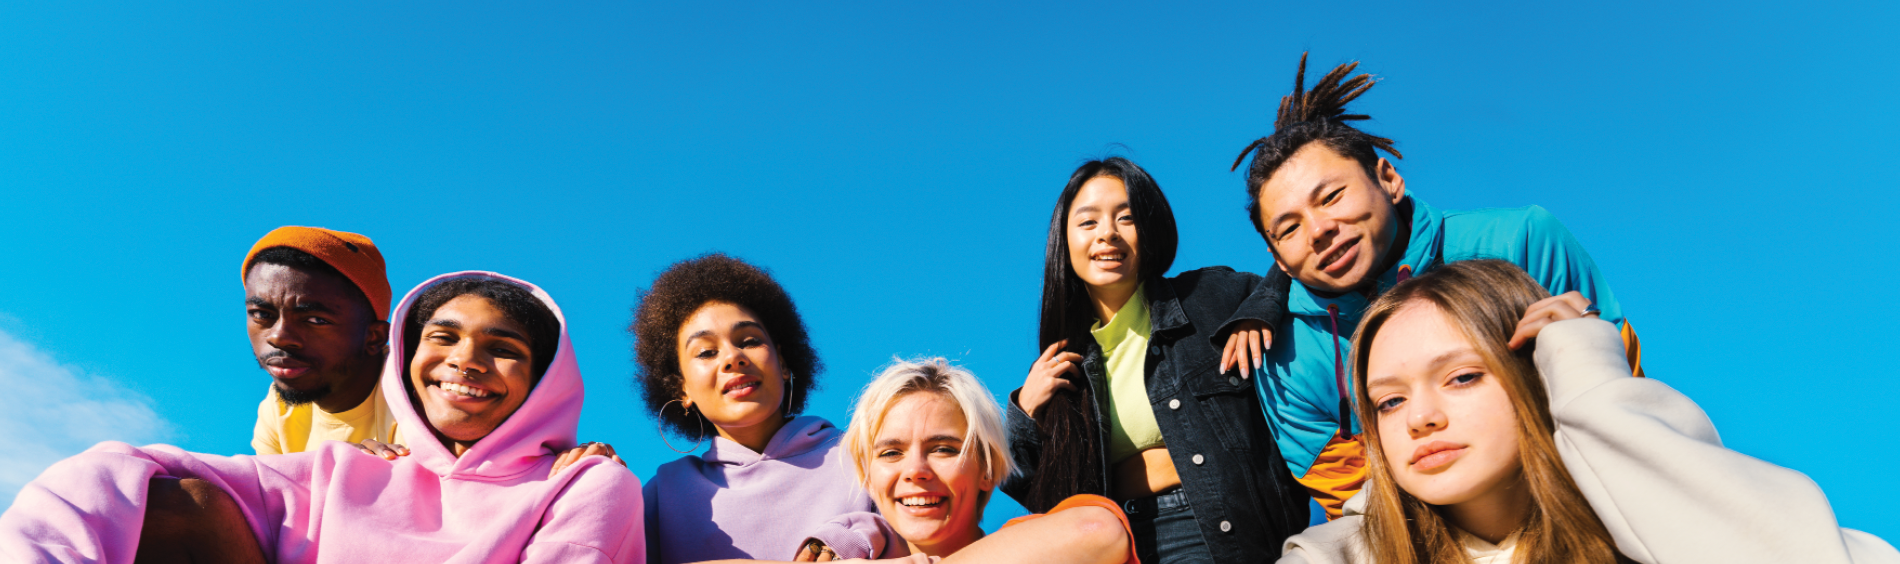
(946, 450)
(441, 338)
(889, 454)
(750, 342)
(1287, 231)
(1390, 403)
(705, 353)
(1466, 379)
(505, 352)
(320, 321)
(1334, 195)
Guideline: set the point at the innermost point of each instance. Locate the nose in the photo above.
(281, 335)
(734, 360)
(1423, 417)
(466, 358)
(1320, 226)
(917, 470)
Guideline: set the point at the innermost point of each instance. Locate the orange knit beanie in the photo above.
(351, 254)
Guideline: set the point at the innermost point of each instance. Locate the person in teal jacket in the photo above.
(1341, 224)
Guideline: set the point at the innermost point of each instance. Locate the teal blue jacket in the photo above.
(1299, 384)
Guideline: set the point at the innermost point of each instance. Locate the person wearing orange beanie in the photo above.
(316, 302)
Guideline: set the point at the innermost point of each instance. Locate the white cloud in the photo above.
(54, 411)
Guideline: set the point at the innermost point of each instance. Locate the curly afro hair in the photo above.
(679, 291)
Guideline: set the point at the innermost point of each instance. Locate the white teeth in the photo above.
(464, 390)
(920, 500)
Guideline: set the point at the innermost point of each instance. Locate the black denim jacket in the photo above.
(1243, 496)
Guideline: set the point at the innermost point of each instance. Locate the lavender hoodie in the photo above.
(736, 503)
(334, 504)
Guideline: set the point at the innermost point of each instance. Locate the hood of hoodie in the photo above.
(799, 436)
(546, 423)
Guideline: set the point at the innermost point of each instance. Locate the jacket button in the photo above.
(1198, 460)
(1174, 403)
(1232, 381)
(1226, 526)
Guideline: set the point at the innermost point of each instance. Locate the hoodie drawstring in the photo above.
(1339, 375)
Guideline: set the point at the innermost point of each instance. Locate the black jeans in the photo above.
(1165, 530)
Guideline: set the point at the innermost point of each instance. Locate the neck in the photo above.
(754, 437)
(947, 547)
(1494, 515)
(1109, 299)
(352, 393)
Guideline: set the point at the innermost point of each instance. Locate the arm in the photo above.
(1649, 461)
(598, 517)
(1554, 257)
(1248, 333)
(1080, 530)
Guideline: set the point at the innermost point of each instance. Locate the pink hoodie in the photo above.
(335, 504)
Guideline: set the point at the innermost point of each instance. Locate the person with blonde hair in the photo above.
(927, 440)
(1503, 425)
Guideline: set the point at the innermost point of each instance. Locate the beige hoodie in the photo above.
(1649, 461)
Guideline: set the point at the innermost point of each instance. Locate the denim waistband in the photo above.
(1147, 507)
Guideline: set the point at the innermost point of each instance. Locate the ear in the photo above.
(1277, 261)
(376, 340)
(1390, 181)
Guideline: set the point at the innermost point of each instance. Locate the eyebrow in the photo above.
(735, 327)
(896, 442)
(305, 307)
(1436, 361)
(1310, 196)
(502, 332)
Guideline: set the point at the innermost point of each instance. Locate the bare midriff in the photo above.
(1146, 473)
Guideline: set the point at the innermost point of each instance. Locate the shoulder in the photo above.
(603, 477)
(1213, 282)
(1339, 541)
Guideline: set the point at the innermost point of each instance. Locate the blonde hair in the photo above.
(986, 436)
(1484, 299)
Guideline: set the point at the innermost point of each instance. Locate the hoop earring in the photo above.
(791, 389)
(689, 413)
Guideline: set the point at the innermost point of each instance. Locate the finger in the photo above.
(1069, 357)
(1069, 367)
(1576, 300)
(1256, 340)
(365, 449)
(1054, 348)
(1064, 385)
(1227, 352)
(402, 449)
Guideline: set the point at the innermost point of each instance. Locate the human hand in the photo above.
(575, 454)
(1249, 336)
(1550, 310)
(814, 550)
(385, 450)
(1045, 377)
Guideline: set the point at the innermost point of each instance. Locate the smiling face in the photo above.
(730, 369)
(1446, 424)
(1328, 223)
(312, 331)
(473, 367)
(924, 486)
(1102, 236)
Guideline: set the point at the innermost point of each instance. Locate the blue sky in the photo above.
(895, 165)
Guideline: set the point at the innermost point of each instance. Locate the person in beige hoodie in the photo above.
(1505, 427)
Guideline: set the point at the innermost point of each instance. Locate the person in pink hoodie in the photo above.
(494, 396)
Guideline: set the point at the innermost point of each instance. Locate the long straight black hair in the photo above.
(1071, 461)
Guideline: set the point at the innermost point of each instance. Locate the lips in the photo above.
(923, 504)
(1109, 259)
(1337, 261)
(462, 391)
(1435, 455)
(740, 387)
(284, 367)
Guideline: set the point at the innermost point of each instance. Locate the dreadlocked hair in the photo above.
(1307, 116)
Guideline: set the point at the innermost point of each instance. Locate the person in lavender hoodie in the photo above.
(723, 357)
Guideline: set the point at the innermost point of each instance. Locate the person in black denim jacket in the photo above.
(1192, 463)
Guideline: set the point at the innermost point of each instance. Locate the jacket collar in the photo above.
(1164, 307)
(1421, 254)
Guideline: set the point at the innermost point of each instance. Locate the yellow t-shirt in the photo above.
(284, 429)
(1124, 341)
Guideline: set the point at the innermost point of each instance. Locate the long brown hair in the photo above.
(1484, 299)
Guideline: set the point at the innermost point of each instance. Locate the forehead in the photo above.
(1413, 339)
(475, 313)
(922, 414)
(717, 317)
(269, 281)
(1101, 193)
(1311, 166)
